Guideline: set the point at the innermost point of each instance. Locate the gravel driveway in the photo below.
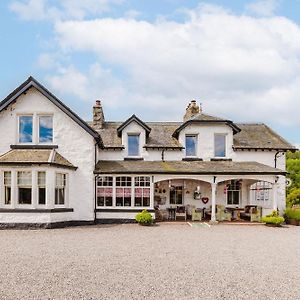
(164, 262)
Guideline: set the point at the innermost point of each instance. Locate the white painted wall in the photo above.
(74, 143)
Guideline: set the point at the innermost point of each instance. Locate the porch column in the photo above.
(213, 201)
(275, 191)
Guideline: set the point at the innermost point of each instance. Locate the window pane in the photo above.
(25, 129)
(24, 195)
(24, 178)
(7, 195)
(133, 145)
(220, 145)
(41, 178)
(190, 145)
(42, 196)
(59, 196)
(7, 178)
(45, 129)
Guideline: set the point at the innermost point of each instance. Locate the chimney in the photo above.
(192, 110)
(98, 115)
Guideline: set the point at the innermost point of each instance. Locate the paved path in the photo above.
(164, 262)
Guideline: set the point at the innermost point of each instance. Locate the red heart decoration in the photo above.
(205, 200)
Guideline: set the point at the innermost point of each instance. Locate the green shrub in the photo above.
(292, 214)
(293, 197)
(273, 219)
(144, 218)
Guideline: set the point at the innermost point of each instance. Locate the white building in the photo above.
(57, 169)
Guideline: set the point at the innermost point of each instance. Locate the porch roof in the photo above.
(185, 167)
(25, 157)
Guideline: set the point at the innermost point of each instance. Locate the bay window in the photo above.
(60, 188)
(24, 182)
(142, 191)
(105, 191)
(7, 187)
(42, 188)
(123, 191)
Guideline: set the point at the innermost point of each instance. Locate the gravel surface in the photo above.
(163, 262)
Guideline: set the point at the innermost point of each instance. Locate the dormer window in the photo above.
(191, 145)
(220, 145)
(133, 144)
(25, 129)
(45, 129)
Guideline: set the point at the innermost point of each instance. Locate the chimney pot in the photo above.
(192, 110)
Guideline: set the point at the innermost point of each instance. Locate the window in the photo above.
(24, 187)
(176, 195)
(133, 145)
(142, 191)
(25, 129)
(104, 191)
(260, 191)
(60, 189)
(220, 145)
(41, 188)
(190, 145)
(45, 129)
(233, 192)
(7, 187)
(123, 191)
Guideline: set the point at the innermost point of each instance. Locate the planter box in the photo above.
(293, 222)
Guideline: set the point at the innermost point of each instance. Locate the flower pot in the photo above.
(293, 222)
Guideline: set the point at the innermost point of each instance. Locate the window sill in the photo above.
(192, 159)
(124, 209)
(220, 159)
(35, 210)
(31, 146)
(133, 158)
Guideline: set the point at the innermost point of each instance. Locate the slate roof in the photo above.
(35, 157)
(259, 136)
(185, 167)
(251, 136)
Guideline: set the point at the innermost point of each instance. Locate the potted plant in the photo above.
(292, 216)
(273, 219)
(144, 218)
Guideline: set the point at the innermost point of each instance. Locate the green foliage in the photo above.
(144, 218)
(293, 197)
(273, 219)
(292, 214)
(293, 169)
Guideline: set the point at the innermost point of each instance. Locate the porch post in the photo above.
(213, 201)
(275, 190)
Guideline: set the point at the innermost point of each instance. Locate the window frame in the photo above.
(5, 186)
(196, 144)
(65, 187)
(38, 186)
(38, 129)
(138, 135)
(142, 183)
(174, 189)
(18, 128)
(225, 144)
(258, 187)
(107, 182)
(26, 186)
(234, 190)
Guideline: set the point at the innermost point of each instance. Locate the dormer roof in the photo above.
(133, 118)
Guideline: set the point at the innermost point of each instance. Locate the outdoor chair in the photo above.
(196, 215)
(222, 214)
(256, 213)
(180, 212)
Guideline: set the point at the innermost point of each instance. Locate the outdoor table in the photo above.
(236, 210)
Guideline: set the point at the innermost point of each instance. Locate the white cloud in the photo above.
(241, 67)
(38, 10)
(263, 7)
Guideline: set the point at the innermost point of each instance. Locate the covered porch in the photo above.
(188, 190)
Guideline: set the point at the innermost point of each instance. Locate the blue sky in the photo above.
(240, 59)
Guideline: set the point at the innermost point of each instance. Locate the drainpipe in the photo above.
(276, 157)
(95, 184)
(163, 155)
